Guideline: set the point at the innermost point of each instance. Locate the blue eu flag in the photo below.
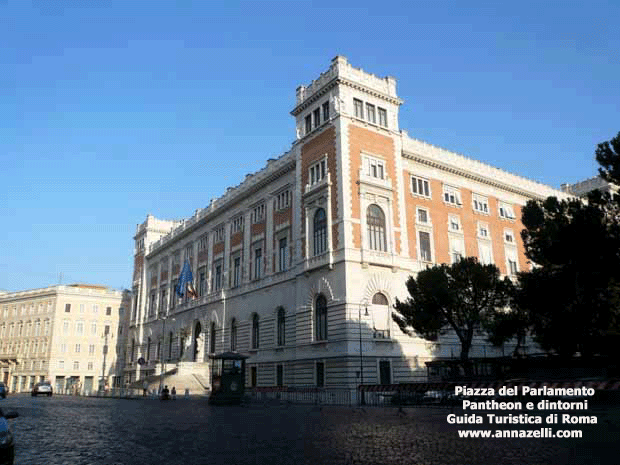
(186, 281)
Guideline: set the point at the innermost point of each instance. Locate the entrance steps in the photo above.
(194, 376)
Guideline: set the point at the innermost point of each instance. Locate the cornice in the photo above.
(54, 291)
(346, 82)
(200, 220)
(314, 97)
(368, 90)
(473, 176)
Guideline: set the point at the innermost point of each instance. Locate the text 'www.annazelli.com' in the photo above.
(534, 433)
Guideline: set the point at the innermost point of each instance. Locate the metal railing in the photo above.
(349, 396)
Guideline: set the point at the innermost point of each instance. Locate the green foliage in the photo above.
(460, 297)
(571, 298)
(608, 156)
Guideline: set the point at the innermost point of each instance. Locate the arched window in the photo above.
(233, 335)
(320, 232)
(212, 338)
(281, 326)
(133, 348)
(375, 220)
(320, 322)
(148, 349)
(379, 299)
(255, 331)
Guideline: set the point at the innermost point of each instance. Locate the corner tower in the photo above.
(349, 159)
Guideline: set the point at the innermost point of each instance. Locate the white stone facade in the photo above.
(342, 220)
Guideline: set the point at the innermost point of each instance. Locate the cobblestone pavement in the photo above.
(75, 430)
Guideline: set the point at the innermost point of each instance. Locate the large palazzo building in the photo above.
(61, 334)
(299, 265)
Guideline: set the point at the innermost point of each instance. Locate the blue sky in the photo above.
(110, 110)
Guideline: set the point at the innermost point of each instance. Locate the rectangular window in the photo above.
(237, 224)
(308, 124)
(370, 113)
(217, 277)
(326, 112)
(218, 234)
(375, 168)
(383, 118)
(480, 204)
(202, 243)
(385, 373)
(236, 272)
(258, 214)
(79, 328)
(320, 374)
(253, 376)
(95, 308)
(106, 329)
(283, 200)
(279, 375)
(108, 311)
(258, 263)
(455, 224)
(425, 246)
(512, 267)
(76, 365)
(422, 216)
(509, 236)
(82, 306)
(317, 172)
(317, 117)
(91, 349)
(282, 256)
(93, 328)
(90, 366)
(358, 106)
(420, 186)
(202, 283)
(65, 327)
(163, 304)
(485, 253)
(63, 348)
(67, 308)
(451, 195)
(173, 293)
(77, 348)
(61, 364)
(483, 230)
(506, 211)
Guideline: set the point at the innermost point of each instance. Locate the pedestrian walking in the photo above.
(145, 388)
(187, 393)
(174, 393)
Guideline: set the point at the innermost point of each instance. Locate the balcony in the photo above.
(318, 261)
(381, 334)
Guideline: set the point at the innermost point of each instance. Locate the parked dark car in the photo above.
(44, 388)
(7, 446)
(3, 390)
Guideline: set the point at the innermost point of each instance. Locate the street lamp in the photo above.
(105, 335)
(364, 304)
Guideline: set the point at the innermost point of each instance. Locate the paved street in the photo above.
(74, 430)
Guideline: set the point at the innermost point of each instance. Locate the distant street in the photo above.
(76, 430)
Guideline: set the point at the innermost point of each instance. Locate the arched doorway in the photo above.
(198, 342)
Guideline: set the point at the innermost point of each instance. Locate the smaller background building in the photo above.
(63, 334)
